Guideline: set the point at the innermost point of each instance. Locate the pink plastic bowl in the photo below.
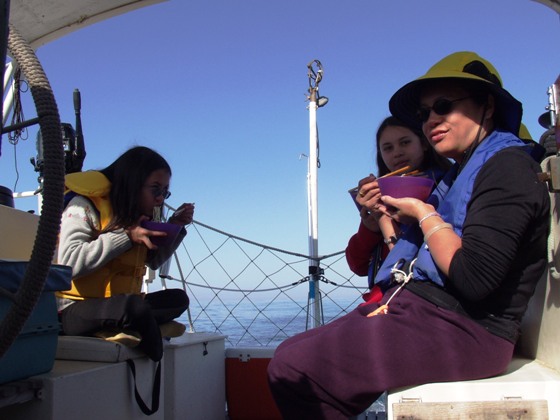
(171, 229)
(406, 186)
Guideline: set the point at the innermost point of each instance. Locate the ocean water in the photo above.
(265, 324)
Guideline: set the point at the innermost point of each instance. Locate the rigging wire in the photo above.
(248, 241)
(234, 319)
(17, 115)
(18, 134)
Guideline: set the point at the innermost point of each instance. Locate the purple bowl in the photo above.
(171, 229)
(406, 186)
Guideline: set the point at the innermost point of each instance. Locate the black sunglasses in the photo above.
(441, 107)
(160, 192)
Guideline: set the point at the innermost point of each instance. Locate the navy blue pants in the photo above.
(337, 370)
(142, 314)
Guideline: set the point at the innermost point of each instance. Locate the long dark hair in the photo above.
(128, 174)
(431, 158)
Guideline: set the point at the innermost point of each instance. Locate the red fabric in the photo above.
(360, 247)
(374, 295)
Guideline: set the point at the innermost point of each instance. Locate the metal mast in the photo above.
(314, 304)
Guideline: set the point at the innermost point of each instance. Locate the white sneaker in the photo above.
(129, 338)
(172, 329)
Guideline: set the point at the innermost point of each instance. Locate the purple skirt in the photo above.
(339, 369)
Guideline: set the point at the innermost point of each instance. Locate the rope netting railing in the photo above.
(256, 295)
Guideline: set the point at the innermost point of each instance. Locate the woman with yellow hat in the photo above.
(458, 280)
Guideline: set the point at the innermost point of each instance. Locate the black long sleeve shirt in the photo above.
(503, 253)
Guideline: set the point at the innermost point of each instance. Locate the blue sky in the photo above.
(218, 88)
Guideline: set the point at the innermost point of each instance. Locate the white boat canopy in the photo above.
(42, 21)
(553, 4)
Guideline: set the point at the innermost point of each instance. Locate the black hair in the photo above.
(127, 174)
(431, 158)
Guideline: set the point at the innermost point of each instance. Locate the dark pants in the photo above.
(142, 314)
(337, 370)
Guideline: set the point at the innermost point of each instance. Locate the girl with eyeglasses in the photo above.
(457, 283)
(103, 241)
(398, 146)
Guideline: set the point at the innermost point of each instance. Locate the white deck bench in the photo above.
(91, 380)
(530, 389)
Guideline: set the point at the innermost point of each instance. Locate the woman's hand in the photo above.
(369, 197)
(183, 215)
(443, 245)
(405, 210)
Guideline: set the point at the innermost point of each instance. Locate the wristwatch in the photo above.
(392, 240)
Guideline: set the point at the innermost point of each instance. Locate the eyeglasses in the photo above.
(160, 192)
(440, 107)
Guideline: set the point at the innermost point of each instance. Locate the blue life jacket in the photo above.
(450, 198)
(436, 174)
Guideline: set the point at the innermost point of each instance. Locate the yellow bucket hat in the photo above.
(463, 65)
(524, 133)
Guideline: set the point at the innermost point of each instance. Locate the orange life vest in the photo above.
(123, 274)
